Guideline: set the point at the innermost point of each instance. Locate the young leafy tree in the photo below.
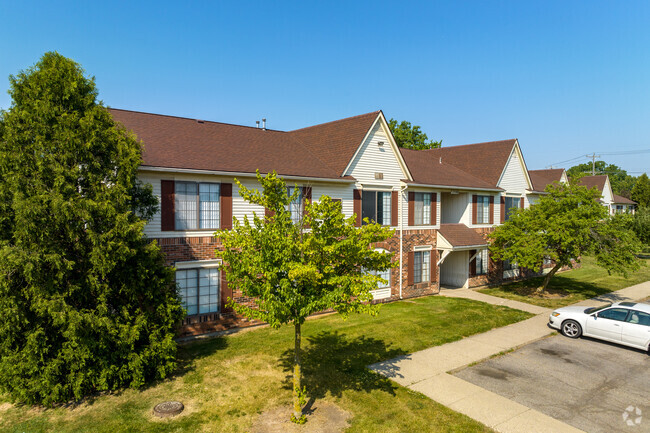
(290, 272)
(563, 225)
(410, 136)
(85, 299)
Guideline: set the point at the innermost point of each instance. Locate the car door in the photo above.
(606, 324)
(636, 329)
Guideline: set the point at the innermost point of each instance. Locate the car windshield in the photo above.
(595, 309)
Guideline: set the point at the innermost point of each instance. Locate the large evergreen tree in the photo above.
(85, 299)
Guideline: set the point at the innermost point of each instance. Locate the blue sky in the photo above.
(565, 77)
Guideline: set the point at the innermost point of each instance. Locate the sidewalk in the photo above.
(426, 371)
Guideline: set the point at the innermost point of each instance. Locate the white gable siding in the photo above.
(608, 198)
(372, 158)
(513, 179)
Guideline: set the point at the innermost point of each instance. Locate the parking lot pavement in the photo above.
(589, 384)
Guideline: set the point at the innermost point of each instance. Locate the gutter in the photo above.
(402, 188)
(238, 173)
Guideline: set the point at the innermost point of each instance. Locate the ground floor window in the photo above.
(482, 262)
(199, 290)
(421, 271)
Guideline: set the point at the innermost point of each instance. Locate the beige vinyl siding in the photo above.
(372, 158)
(455, 269)
(457, 208)
(513, 179)
(344, 192)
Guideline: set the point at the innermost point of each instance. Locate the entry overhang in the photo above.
(459, 237)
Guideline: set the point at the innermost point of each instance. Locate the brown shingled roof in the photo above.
(542, 178)
(336, 142)
(177, 142)
(459, 235)
(485, 161)
(426, 168)
(594, 181)
(618, 199)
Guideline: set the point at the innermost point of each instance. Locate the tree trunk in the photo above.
(548, 277)
(297, 376)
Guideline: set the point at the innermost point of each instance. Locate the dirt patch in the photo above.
(323, 417)
(5, 407)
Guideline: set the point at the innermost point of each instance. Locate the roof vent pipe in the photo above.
(441, 160)
(257, 122)
(264, 123)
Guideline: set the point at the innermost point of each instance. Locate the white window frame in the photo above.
(423, 274)
(386, 202)
(422, 208)
(482, 260)
(483, 209)
(382, 292)
(211, 269)
(193, 209)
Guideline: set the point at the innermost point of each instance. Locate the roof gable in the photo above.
(542, 178)
(485, 161)
(336, 142)
(427, 169)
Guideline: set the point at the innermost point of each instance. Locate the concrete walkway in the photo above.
(426, 371)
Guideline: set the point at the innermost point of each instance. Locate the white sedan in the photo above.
(626, 323)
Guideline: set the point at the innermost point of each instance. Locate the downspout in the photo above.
(402, 188)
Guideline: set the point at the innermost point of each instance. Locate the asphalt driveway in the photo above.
(586, 383)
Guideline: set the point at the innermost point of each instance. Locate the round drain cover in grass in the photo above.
(168, 408)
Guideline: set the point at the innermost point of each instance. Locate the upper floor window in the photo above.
(196, 205)
(483, 209)
(375, 205)
(422, 208)
(296, 205)
(511, 204)
(199, 290)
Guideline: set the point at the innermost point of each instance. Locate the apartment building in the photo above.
(441, 202)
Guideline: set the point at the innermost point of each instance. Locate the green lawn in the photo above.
(572, 286)
(226, 382)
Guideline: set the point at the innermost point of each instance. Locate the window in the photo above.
(199, 290)
(383, 274)
(196, 205)
(483, 209)
(422, 208)
(421, 266)
(614, 314)
(639, 318)
(296, 205)
(509, 266)
(511, 203)
(482, 262)
(375, 206)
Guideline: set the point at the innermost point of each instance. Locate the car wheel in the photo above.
(571, 329)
